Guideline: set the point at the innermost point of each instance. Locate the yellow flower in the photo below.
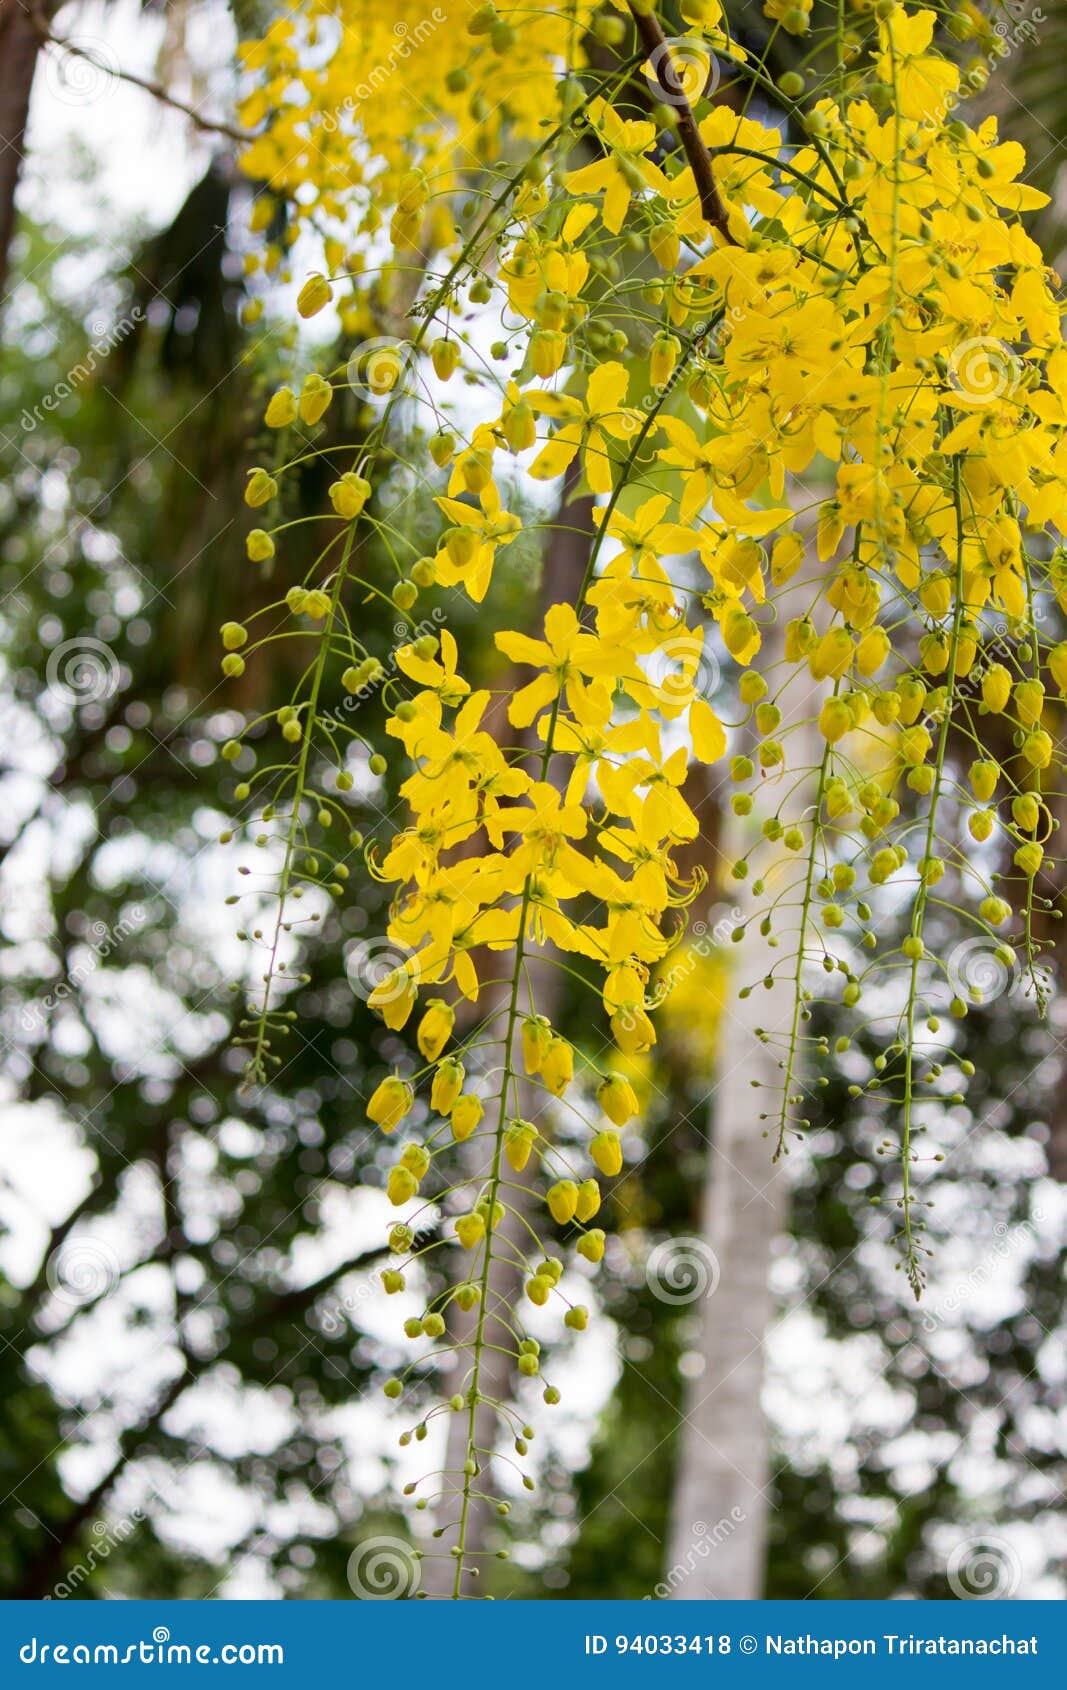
(394, 997)
(923, 84)
(625, 170)
(587, 426)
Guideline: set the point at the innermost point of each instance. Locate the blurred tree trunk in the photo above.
(20, 44)
(717, 1545)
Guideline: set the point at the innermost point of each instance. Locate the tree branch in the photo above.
(156, 89)
(712, 203)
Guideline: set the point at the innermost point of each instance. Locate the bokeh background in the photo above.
(192, 1338)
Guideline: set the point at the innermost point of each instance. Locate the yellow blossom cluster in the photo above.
(845, 368)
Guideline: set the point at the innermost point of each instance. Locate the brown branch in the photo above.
(158, 92)
(712, 203)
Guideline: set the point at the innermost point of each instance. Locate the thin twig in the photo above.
(146, 84)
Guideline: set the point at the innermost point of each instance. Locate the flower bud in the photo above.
(994, 910)
(313, 296)
(617, 1098)
(606, 1150)
(588, 1200)
(466, 1113)
(444, 355)
(315, 397)
(259, 546)
(281, 410)
(349, 495)
(983, 776)
(260, 488)
(391, 1100)
(447, 1084)
(470, 1230)
(557, 1068)
(402, 1185)
(435, 1028)
(416, 1158)
(996, 688)
(1029, 700)
(518, 1143)
(536, 1038)
(562, 1199)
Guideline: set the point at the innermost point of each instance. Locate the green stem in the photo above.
(912, 1267)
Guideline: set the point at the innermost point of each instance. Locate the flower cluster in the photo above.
(829, 364)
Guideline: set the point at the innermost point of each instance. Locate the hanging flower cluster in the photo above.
(842, 365)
